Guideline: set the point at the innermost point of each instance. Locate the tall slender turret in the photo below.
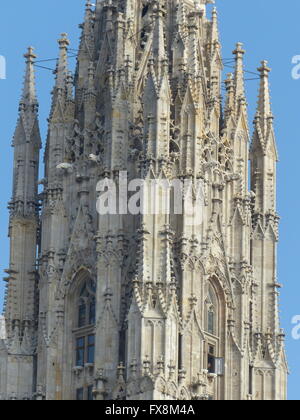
(21, 305)
(268, 336)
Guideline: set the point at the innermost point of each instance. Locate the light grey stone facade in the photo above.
(149, 306)
(2, 328)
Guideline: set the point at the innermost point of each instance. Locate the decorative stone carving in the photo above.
(148, 88)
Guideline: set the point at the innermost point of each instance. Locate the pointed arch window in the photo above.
(211, 312)
(87, 305)
(84, 337)
(211, 321)
(215, 363)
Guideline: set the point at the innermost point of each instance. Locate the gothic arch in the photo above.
(215, 299)
(215, 285)
(215, 328)
(160, 385)
(80, 319)
(172, 390)
(75, 263)
(212, 309)
(218, 288)
(78, 278)
(221, 281)
(183, 394)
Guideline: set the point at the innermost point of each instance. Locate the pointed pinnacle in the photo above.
(239, 53)
(88, 11)
(30, 56)
(229, 83)
(264, 69)
(29, 92)
(264, 101)
(88, 4)
(62, 66)
(64, 41)
(215, 30)
(158, 43)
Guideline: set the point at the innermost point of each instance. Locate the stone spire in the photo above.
(20, 308)
(264, 113)
(87, 38)
(158, 46)
(62, 112)
(158, 43)
(28, 110)
(264, 153)
(214, 26)
(27, 136)
(86, 49)
(265, 234)
(62, 73)
(62, 67)
(27, 144)
(29, 92)
(229, 105)
(239, 74)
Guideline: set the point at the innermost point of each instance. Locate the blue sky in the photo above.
(268, 30)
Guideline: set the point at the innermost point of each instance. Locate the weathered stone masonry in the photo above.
(149, 306)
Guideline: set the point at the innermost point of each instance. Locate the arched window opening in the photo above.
(215, 363)
(212, 312)
(211, 365)
(87, 305)
(211, 321)
(84, 338)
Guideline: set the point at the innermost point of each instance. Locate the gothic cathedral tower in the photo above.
(144, 306)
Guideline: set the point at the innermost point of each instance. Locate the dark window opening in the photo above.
(90, 393)
(145, 10)
(87, 305)
(180, 357)
(91, 349)
(85, 350)
(250, 380)
(82, 315)
(211, 360)
(80, 350)
(211, 322)
(92, 314)
(85, 394)
(80, 394)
